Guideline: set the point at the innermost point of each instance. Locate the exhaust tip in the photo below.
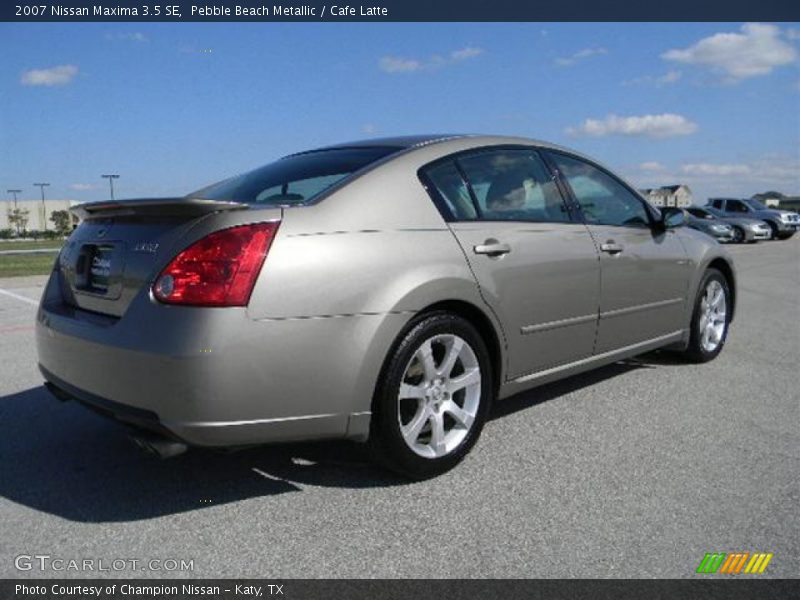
(158, 446)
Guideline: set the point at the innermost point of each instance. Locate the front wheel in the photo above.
(432, 401)
(773, 230)
(710, 318)
(738, 235)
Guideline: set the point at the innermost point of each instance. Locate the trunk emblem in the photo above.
(149, 247)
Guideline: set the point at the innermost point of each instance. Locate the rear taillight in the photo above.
(218, 270)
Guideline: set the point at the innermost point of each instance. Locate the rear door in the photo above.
(537, 266)
(644, 271)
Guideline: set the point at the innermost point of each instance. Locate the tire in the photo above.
(738, 235)
(773, 229)
(708, 338)
(422, 424)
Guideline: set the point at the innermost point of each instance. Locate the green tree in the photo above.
(62, 219)
(18, 217)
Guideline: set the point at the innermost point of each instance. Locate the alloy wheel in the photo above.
(713, 316)
(439, 396)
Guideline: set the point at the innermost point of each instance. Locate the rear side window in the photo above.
(453, 191)
(513, 185)
(295, 179)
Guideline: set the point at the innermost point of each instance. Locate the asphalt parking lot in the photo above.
(634, 470)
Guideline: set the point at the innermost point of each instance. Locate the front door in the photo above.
(644, 271)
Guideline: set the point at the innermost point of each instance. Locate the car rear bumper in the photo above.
(220, 380)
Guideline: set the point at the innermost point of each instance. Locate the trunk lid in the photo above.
(119, 247)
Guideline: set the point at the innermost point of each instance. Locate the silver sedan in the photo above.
(386, 291)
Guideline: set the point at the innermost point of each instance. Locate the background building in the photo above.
(38, 215)
(669, 195)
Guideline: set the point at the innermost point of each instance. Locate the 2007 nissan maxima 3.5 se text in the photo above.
(385, 291)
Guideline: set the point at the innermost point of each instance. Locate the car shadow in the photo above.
(59, 458)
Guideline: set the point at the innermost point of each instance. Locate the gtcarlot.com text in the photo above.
(46, 562)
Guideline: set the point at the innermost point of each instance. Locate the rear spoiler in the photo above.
(172, 207)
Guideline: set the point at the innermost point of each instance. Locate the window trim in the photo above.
(648, 209)
(573, 216)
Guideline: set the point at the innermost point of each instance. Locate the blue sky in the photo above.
(172, 107)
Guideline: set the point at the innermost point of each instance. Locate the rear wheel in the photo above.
(433, 398)
(710, 319)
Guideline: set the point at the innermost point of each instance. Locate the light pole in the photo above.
(15, 192)
(41, 186)
(111, 179)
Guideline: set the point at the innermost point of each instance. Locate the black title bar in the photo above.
(366, 589)
(401, 10)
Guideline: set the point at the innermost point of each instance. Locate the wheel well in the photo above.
(481, 322)
(723, 267)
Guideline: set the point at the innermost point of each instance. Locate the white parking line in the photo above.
(18, 297)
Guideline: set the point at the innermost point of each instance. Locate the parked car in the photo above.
(782, 223)
(742, 229)
(386, 291)
(719, 230)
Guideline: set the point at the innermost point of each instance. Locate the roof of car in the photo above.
(401, 142)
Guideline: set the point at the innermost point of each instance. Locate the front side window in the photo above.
(513, 185)
(737, 206)
(603, 199)
(296, 179)
(700, 213)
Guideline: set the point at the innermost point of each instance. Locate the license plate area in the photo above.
(99, 270)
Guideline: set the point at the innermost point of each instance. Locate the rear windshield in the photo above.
(295, 179)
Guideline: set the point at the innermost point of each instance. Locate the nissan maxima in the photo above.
(386, 291)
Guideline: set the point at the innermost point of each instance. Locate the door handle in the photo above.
(611, 247)
(492, 248)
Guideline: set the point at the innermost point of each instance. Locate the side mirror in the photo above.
(672, 217)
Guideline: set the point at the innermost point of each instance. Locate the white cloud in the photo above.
(667, 78)
(465, 53)
(398, 64)
(133, 36)
(793, 34)
(656, 126)
(652, 166)
(82, 187)
(756, 51)
(567, 61)
(741, 178)
(715, 169)
(60, 75)
(369, 128)
(394, 64)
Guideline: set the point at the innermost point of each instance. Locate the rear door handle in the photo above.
(492, 248)
(611, 247)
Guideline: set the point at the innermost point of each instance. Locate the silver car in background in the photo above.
(386, 291)
(742, 229)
